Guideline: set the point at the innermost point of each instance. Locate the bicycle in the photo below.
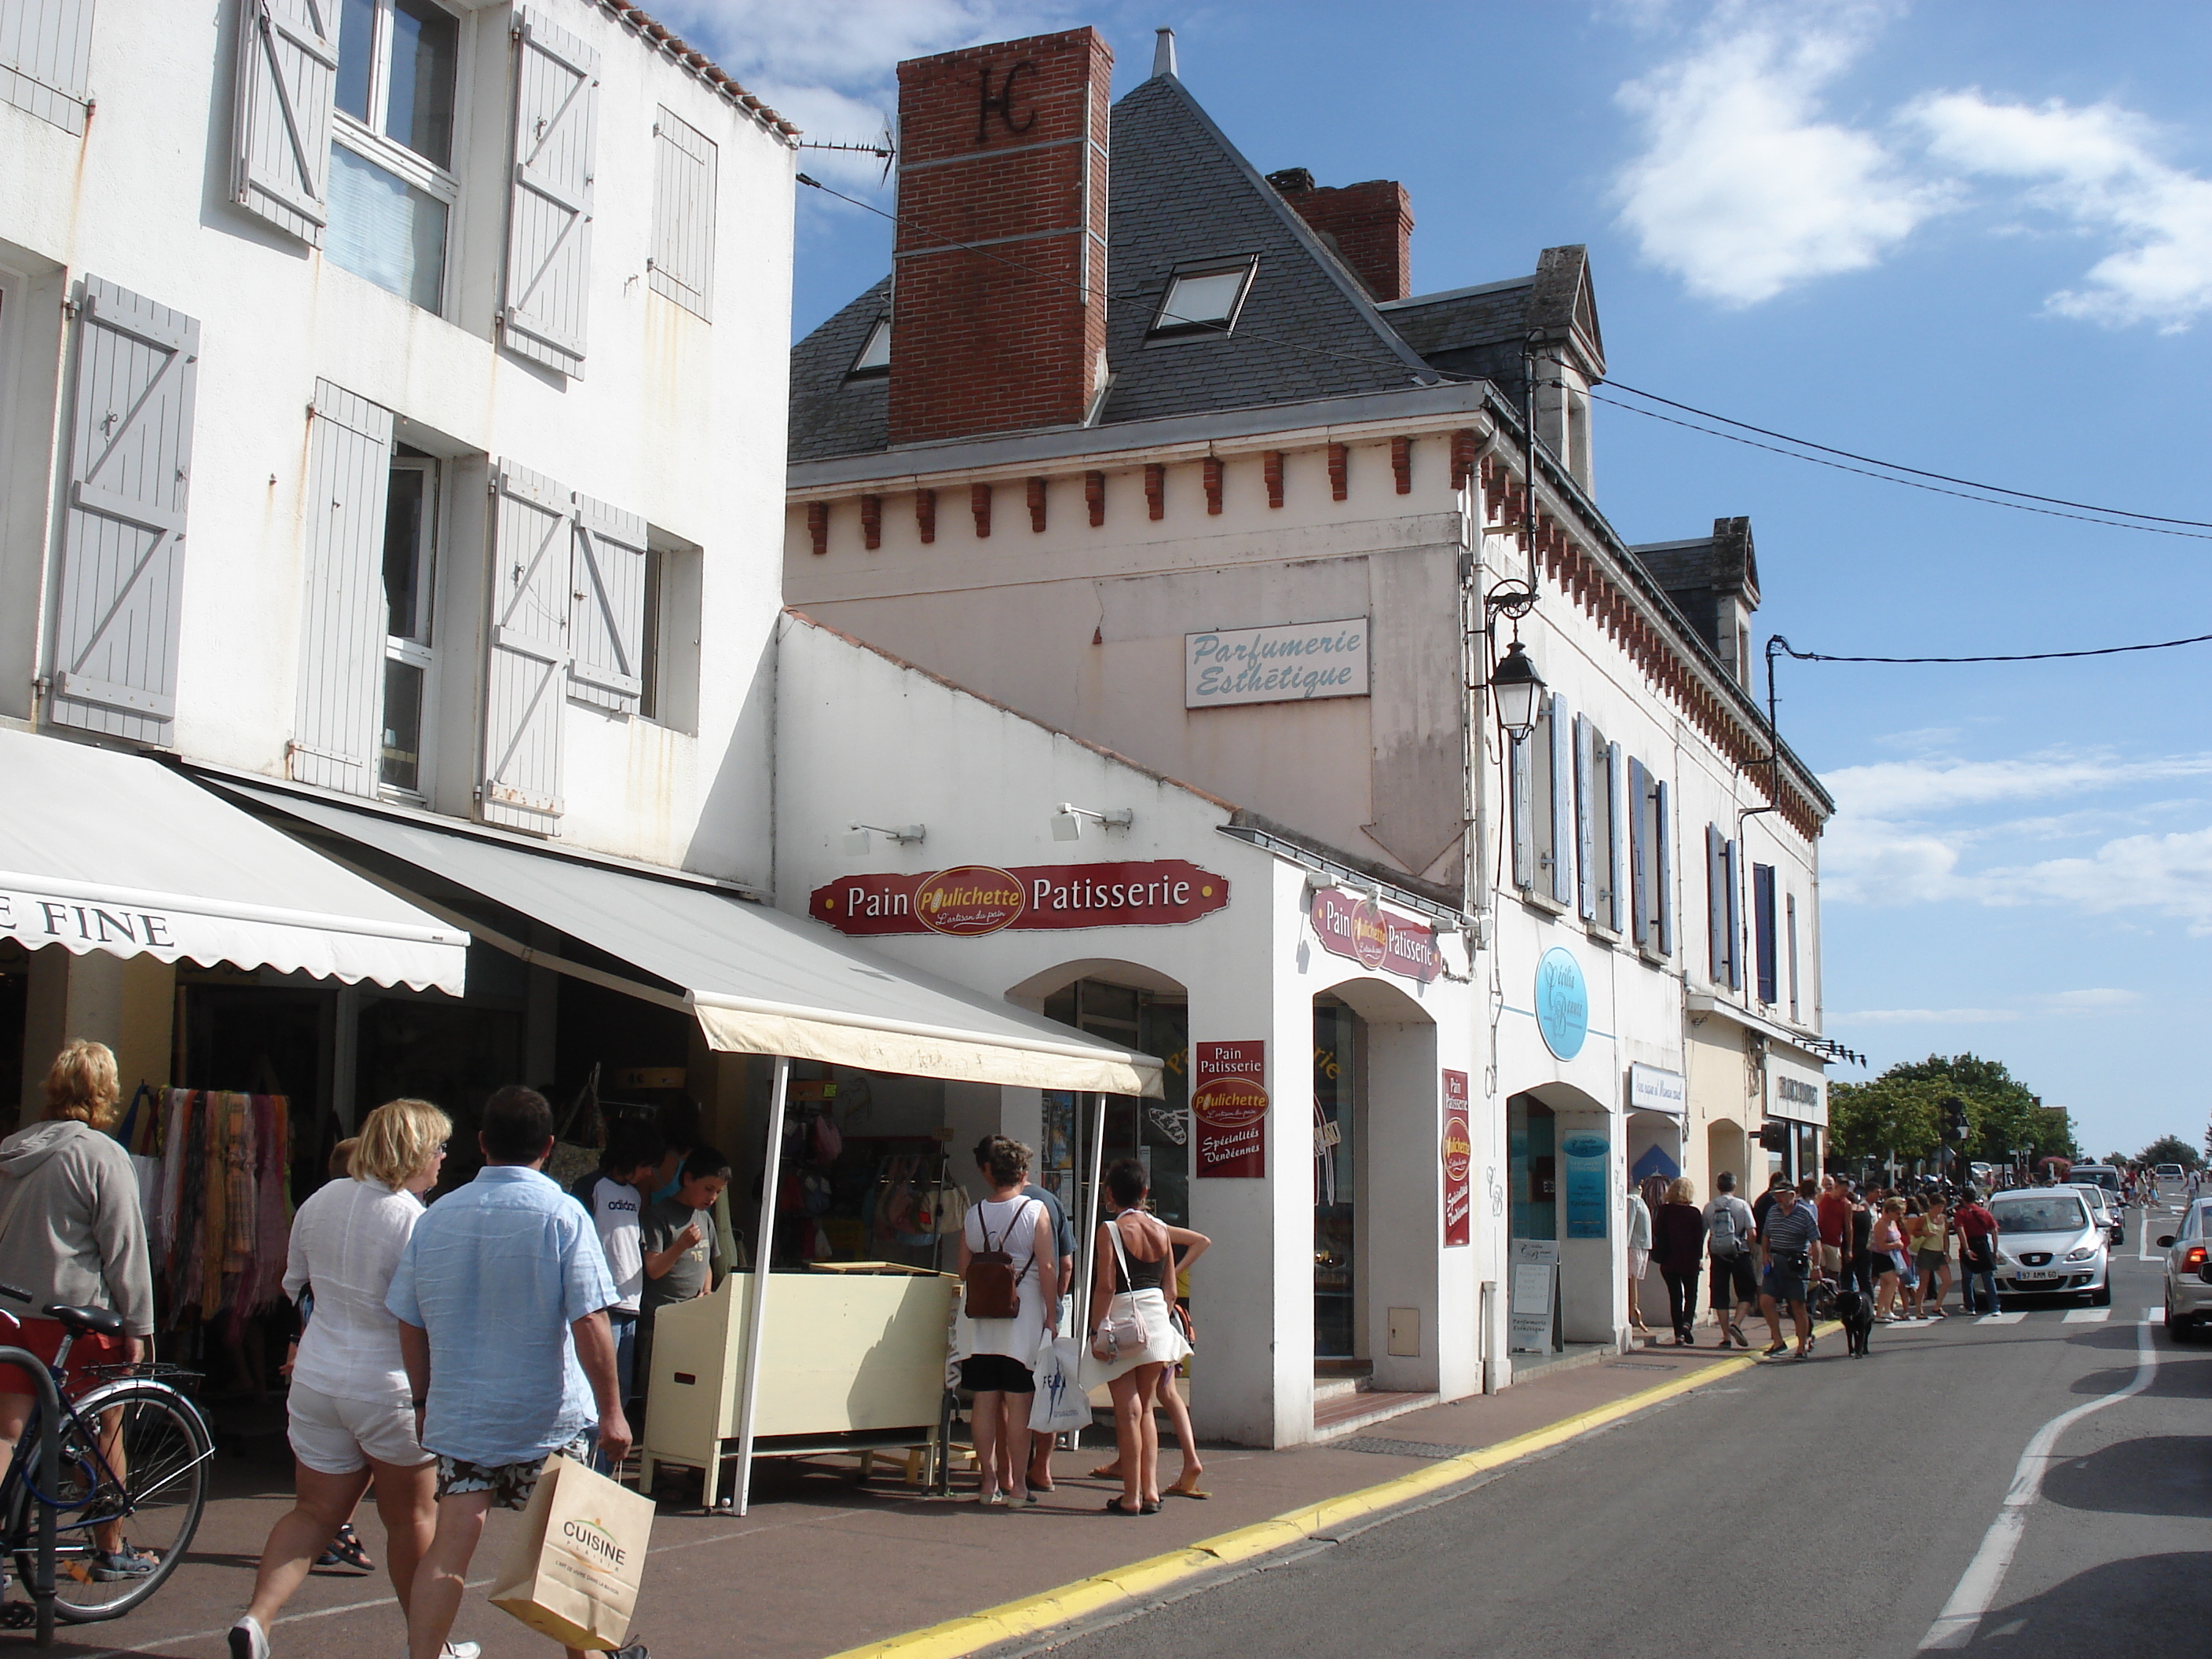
(132, 1482)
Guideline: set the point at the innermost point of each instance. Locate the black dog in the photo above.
(1856, 1312)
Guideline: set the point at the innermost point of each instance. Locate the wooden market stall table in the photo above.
(852, 1359)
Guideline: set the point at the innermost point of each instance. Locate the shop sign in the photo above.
(37, 918)
(1229, 1101)
(1300, 663)
(1362, 930)
(1588, 1159)
(1535, 1280)
(1562, 1003)
(1802, 1099)
(971, 900)
(1652, 1090)
(1458, 1160)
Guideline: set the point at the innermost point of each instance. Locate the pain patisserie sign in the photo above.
(1362, 930)
(1229, 1101)
(971, 900)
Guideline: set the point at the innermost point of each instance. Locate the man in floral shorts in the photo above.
(501, 1297)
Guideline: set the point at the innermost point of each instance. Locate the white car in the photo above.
(2189, 1273)
(2104, 1207)
(2166, 1180)
(2048, 1244)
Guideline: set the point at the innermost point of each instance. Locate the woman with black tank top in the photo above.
(1135, 1255)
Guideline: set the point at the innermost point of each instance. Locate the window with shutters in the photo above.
(669, 660)
(1789, 930)
(683, 174)
(1650, 863)
(1765, 927)
(1540, 781)
(45, 59)
(1597, 814)
(393, 185)
(410, 554)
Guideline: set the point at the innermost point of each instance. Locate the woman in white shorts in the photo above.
(352, 1415)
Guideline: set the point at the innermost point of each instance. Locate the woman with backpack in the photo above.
(1006, 1247)
(1728, 1241)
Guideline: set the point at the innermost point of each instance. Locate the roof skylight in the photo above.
(1203, 301)
(875, 356)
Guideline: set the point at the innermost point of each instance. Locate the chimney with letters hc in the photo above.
(1002, 148)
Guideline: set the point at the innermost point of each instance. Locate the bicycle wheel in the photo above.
(153, 1438)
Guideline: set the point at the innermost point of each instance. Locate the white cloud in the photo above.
(1935, 783)
(2171, 873)
(2095, 166)
(1927, 1017)
(2090, 1000)
(1742, 190)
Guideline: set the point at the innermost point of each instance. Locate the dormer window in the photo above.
(1204, 300)
(875, 356)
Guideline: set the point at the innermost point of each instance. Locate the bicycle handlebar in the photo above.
(10, 1292)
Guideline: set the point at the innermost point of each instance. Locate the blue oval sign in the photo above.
(1562, 1003)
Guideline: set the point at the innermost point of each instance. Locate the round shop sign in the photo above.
(1228, 1102)
(968, 900)
(1562, 1003)
(1370, 935)
(1458, 1146)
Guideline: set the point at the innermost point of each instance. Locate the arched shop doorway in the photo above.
(1123, 1003)
(1566, 1181)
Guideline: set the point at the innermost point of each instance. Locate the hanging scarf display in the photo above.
(222, 1212)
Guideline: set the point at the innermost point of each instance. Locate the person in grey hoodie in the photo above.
(71, 1232)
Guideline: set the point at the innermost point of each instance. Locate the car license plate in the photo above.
(2031, 1275)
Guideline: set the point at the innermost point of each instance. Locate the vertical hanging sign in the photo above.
(1229, 1101)
(1588, 1160)
(1458, 1157)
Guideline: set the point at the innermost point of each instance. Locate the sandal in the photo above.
(1180, 1491)
(1114, 1507)
(346, 1550)
(1107, 1471)
(1152, 1507)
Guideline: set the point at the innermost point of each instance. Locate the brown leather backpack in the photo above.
(993, 1286)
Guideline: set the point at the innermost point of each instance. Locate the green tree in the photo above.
(2172, 1149)
(1872, 1119)
(2002, 1114)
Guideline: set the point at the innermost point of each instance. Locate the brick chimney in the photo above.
(1371, 226)
(1002, 145)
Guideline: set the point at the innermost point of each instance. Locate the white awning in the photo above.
(759, 981)
(106, 851)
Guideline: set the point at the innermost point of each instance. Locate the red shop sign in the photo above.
(1363, 931)
(1458, 1151)
(1229, 1099)
(973, 899)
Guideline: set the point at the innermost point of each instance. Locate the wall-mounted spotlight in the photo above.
(1067, 821)
(909, 834)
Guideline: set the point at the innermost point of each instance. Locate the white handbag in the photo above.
(1123, 1326)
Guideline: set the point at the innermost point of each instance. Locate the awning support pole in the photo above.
(1091, 1216)
(756, 1309)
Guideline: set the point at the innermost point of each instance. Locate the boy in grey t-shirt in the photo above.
(676, 1236)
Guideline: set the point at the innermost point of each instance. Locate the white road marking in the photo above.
(2087, 1315)
(2154, 1315)
(1984, 1576)
(2012, 1318)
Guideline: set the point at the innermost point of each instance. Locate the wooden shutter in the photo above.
(1616, 803)
(1663, 862)
(45, 59)
(1585, 824)
(288, 65)
(1639, 854)
(1562, 804)
(549, 214)
(344, 620)
(606, 632)
(1730, 852)
(1762, 932)
(684, 167)
(1716, 906)
(532, 530)
(123, 537)
(1521, 785)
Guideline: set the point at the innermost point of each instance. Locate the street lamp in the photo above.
(1518, 689)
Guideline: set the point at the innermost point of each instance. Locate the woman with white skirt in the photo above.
(1134, 1343)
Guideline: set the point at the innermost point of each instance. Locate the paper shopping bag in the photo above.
(575, 1572)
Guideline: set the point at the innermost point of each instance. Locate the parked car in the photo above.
(2098, 1175)
(2189, 1274)
(2166, 1180)
(2106, 1208)
(2050, 1243)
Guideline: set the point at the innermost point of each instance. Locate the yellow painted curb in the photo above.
(1086, 1596)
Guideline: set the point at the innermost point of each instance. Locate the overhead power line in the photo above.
(1782, 645)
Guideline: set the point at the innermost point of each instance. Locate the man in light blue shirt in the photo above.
(501, 1297)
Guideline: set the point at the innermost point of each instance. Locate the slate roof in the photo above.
(1698, 572)
(1469, 330)
(830, 414)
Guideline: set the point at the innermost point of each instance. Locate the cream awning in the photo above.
(101, 850)
(759, 981)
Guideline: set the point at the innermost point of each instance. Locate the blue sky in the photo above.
(1975, 238)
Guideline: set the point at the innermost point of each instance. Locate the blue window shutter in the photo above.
(1762, 928)
(1616, 805)
(344, 620)
(532, 549)
(121, 586)
(287, 67)
(548, 211)
(1732, 855)
(1662, 849)
(1585, 824)
(1639, 854)
(1521, 782)
(1716, 904)
(45, 59)
(1562, 802)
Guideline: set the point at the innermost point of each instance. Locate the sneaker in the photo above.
(635, 1650)
(461, 1651)
(1778, 1348)
(120, 1566)
(247, 1639)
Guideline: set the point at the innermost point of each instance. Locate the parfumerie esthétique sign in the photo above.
(1299, 662)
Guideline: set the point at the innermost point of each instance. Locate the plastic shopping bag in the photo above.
(1060, 1402)
(575, 1572)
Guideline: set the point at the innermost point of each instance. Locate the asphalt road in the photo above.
(1828, 1506)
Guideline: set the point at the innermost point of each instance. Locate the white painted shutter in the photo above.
(1662, 847)
(533, 526)
(686, 163)
(1585, 825)
(288, 65)
(549, 216)
(1563, 806)
(1639, 854)
(1716, 904)
(344, 619)
(606, 633)
(1617, 804)
(45, 59)
(123, 536)
(1522, 784)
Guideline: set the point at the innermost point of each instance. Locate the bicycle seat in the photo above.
(87, 1321)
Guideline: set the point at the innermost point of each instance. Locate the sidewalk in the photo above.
(822, 1565)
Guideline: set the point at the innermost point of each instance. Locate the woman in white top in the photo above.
(997, 1368)
(351, 1412)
